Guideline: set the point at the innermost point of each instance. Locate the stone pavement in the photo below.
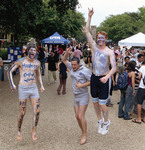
(57, 128)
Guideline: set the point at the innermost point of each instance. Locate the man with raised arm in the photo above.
(80, 76)
(102, 57)
(27, 88)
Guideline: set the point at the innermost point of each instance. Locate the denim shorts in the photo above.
(101, 102)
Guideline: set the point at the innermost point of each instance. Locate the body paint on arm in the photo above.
(113, 65)
(38, 73)
(12, 68)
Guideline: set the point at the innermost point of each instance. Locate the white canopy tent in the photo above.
(137, 40)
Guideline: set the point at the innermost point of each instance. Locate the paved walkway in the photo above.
(57, 127)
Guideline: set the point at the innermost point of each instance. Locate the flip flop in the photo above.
(142, 120)
(134, 121)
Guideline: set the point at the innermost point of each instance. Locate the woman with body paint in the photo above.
(102, 56)
(27, 88)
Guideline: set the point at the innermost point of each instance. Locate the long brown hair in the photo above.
(131, 66)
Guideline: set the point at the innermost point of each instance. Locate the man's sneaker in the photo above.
(105, 128)
(100, 125)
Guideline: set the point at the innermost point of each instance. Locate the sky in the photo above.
(105, 8)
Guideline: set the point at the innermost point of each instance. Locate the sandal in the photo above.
(142, 120)
(135, 121)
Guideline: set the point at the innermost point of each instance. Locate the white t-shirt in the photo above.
(142, 70)
(138, 63)
(135, 55)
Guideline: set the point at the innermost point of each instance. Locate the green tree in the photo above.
(18, 17)
(122, 26)
(141, 20)
(40, 18)
(68, 25)
(119, 26)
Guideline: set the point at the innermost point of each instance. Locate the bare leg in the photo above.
(98, 110)
(105, 112)
(82, 122)
(143, 115)
(76, 109)
(22, 106)
(60, 84)
(35, 105)
(64, 86)
(139, 112)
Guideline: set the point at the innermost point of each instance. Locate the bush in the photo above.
(3, 53)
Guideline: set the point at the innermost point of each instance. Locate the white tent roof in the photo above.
(135, 40)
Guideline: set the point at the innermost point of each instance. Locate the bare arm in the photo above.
(139, 76)
(113, 80)
(87, 30)
(67, 70)
(1, 63)
(38, 74)
(59, 67)
(137, 81)
(10, 76)
(113, 65)
(133, 82)
(113, 68)
(64, 59)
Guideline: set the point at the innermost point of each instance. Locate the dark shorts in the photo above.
(140, 96)
(98, 89)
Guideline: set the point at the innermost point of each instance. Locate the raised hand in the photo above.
(68, 50)
(91, 12)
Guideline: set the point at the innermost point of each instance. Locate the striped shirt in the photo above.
(136, 77)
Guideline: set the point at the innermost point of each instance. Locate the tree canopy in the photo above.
(124, 25)
(40, 18)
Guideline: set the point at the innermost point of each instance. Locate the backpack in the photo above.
(122, 81)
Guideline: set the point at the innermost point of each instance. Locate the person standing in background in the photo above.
(41, 58)
(77, 53)
(52, 66)
(62, 78)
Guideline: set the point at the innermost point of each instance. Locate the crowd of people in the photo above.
(91, 64)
